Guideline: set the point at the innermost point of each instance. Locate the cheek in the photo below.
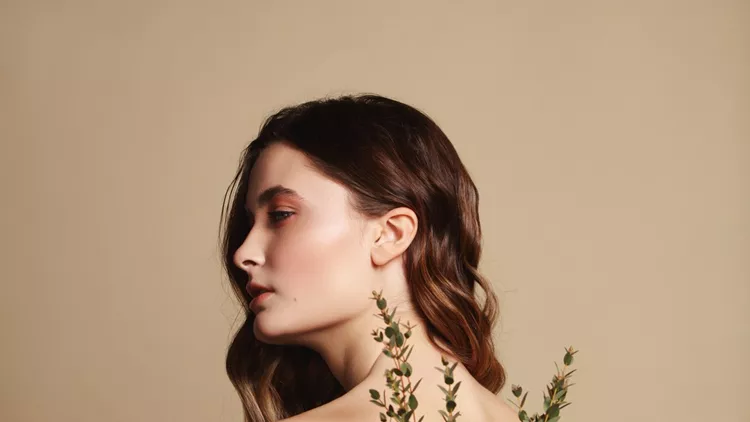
(325, 262)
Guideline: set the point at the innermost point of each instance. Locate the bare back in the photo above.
(476, 404)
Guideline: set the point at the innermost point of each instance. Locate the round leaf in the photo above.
(413, 403)
(382, 304)
(568, 359)
(450, 405)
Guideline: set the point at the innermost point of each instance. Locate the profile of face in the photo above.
(308, 248)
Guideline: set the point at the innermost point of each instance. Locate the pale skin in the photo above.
(323, 260)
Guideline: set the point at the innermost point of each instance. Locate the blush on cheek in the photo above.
(314, 263)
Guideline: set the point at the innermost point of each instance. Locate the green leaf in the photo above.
(409, 348)
(450, 405)
(517, 390)
(523, 416)
(553, 410)
(568, 359)
(413, 403)
(382, 304)
(383, 418)
(523, 400)
(406, 369)
(399, 339)
(455, 387)
(374, 394)
(448, 380)
(393, 313)
(389, 332)
(400, 354)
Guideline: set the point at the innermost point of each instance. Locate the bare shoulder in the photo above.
(313, 415)
(500, 411)
(481, 404)
(476, 405)
(339, 410)
(319, 414)
(497, 411)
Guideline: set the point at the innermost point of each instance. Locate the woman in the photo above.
(335, 199)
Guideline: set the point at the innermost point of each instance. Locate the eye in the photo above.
(276, 216)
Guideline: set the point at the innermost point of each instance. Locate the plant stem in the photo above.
(554, 391)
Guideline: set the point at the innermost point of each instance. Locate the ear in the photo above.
(394, 233)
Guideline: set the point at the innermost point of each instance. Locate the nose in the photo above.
(249, 256)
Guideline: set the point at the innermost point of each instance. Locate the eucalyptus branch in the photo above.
(554, 399)
(450, 392)
(403, 402)
(398, 378)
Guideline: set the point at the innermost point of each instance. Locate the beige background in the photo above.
(610, 142)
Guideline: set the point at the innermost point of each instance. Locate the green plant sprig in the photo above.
(398, 378)
(450, 392)
(554, 399)
(399, 382)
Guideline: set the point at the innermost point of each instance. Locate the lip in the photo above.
(260, 299)
(256, 289)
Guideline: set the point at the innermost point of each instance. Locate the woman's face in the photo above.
(307, 247)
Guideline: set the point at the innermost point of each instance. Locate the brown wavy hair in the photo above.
(388, 154)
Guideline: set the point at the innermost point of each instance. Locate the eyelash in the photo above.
(285, 214)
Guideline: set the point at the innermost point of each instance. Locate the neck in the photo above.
(353, 355)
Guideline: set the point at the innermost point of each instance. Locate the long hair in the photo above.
(387, 154)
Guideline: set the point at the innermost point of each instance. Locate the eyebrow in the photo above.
(267, 195)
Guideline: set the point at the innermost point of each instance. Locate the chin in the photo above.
(269, 334)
